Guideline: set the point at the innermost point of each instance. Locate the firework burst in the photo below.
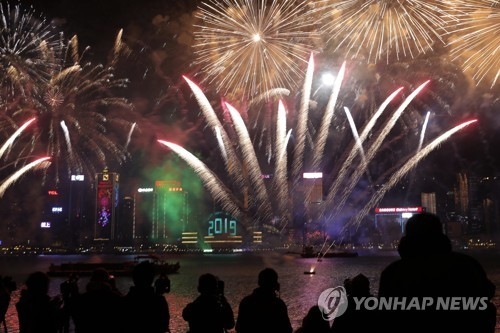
(287, 198)
(477, 42)
(26, 40)
(44, 75)
(375, 29)
(247, 47)
(78, 113)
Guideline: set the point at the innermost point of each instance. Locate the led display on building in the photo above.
(106, 201)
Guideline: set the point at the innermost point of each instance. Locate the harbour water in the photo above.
(239, 272)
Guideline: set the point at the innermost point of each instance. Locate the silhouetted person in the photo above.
(355, 320)
(429, 268)
(69, 290)
(100, 307)
(313, 322)
(7, 286)
(145, 310)
(263, 311)
(36, 310)
(209, 312)
(162, 284)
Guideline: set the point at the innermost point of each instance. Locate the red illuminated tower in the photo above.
(107, 184)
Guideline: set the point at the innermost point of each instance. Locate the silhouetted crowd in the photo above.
(427, 270)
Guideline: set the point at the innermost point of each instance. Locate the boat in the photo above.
(123, 268)
(309, 252)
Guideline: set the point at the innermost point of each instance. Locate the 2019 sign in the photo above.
(221, 223)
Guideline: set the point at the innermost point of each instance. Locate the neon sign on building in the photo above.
(398, 210)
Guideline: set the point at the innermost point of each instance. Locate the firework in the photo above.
(287, 200)
(44, 75)
(406, 167)
(477, 42)
(79, 115)
(12, 178)
(41, 162)
(247, 47)
(376, 29)
(8, 143)
(26, 39)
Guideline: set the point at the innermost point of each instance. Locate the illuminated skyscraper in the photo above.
(107, 185)
(429, 202)
(170, 212)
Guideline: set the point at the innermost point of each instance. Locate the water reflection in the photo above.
(239, 271)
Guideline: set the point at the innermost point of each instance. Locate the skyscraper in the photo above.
(107, 185)
(169, 216)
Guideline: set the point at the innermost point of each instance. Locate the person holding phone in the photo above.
(209, 312)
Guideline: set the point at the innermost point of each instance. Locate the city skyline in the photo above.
(165, 109)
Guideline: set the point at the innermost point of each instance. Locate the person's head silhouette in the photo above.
(423, 236)
(268, 279)
(360, 286)
(207, 284)
(143, 274)
(38, 283)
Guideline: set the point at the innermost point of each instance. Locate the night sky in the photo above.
(159, 33)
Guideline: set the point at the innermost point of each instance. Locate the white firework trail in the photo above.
(424, 128)
(280, 174)
(129, 137)
(214, 123)
(319, 147)
(67, 138)
(354, 130)
(214, 185)
(16, 175)
(378, 142)
(14, 136)
(352, 154)
(250, 161)
(409, 165)
(298, 153)
(218, 136)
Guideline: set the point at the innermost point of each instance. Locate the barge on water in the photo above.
(123, 268)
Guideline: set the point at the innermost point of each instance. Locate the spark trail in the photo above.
(352, 154)
(214, 123)
(251, 162)
(353, 180)
(215, 186)
(14, 136)
(280, 193)
(327, 118)
(409, 165)
(16, 175)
